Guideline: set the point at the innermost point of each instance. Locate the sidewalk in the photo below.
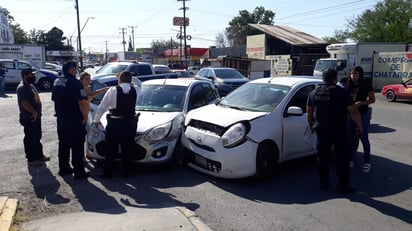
(163, 219)
(7, 211)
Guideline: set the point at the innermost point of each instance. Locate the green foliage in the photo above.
(166, 44)
(239, 27)
(388, 21)
(20, 36)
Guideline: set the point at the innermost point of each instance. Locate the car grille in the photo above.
(102, 150)
(205, 163)
(201, 125)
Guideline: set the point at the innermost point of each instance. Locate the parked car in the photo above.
(54, 67)
(181, 73)
(142, 70)
(394, 92)
(162, 104)
(161, 69)
(44, 78)
(256, 126)
(225, 79)
(193, 69)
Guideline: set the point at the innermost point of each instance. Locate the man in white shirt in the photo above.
(121, 126)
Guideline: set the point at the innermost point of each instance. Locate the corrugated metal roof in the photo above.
(288, 34)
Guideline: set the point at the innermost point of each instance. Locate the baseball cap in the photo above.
(27, 71)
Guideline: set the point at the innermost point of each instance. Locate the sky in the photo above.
(152, 20)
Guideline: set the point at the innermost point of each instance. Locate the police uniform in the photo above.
(121, 124)
(66, 93)
(330, 103)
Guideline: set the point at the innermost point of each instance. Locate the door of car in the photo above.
(200, 95)
(13, 74)
(405, 92)
(295, 142)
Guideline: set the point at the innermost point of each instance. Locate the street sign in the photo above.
(180, 21)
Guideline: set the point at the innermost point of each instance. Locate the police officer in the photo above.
(121, 126)
(71, 106)
(331, 105)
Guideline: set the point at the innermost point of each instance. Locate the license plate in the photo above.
(201, 160)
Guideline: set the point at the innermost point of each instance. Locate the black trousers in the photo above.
(32, 136)
(338, 138)
(120, 133)
(72, 139)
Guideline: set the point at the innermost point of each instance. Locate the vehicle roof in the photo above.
(288, 80)
(216, 68)
(176, 82)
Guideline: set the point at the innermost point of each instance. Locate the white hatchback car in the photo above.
(258, 125)
(162, 104)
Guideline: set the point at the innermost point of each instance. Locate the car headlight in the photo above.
(158, 133)
(234, 135)
(95, 131)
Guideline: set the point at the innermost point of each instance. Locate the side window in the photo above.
(197, 97)
(9, 65)
(300, 98)
(203, 73)
(209, 74)
(22, 66)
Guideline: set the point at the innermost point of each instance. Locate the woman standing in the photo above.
(363, 95)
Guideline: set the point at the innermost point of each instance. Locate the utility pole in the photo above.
(134, 48)
(124, 42)
(184, 27)
(106, 58)
(80, 52)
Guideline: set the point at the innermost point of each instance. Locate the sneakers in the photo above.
(35, 163)
(366, 168)
(351, 164)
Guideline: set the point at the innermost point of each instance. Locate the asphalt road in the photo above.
(290, 200)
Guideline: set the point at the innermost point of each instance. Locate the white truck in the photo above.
(33, 54)
(344, 56)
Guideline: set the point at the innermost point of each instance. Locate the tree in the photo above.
(53, 40)
(20, 36)
(222, 40)
(167, 44)
(387, 22)
(340, 36)
(239, 27)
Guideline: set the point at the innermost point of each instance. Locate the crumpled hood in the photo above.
(222, 116)
(149, 119)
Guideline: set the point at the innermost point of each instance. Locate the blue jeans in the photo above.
(2, 85)
(364, 137)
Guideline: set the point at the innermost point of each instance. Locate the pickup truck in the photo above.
(141, 70)
(44, 78)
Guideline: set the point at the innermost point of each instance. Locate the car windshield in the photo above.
(322, 65)
(228, 74)
(111, 68)
(262, 97)
(161, 98)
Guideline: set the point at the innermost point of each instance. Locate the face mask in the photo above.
(31, 79)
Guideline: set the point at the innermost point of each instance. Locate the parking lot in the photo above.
(290, 200)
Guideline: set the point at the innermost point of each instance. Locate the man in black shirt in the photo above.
(71, 106)
(332, 104)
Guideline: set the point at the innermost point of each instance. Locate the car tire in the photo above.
(179, 157)
(45, 83)
(266, 158)
(390, 96)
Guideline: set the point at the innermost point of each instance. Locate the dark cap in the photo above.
(27, 71)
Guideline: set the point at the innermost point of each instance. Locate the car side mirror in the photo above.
(294, 111)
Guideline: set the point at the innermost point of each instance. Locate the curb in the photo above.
(8, 209)
(193, 219)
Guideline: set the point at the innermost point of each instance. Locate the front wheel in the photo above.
(390, 96)
(265, 160)
(45, 83)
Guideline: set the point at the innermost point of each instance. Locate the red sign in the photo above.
(180, 21)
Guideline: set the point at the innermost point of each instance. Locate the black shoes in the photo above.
(83, 175)
(346, 189)
(106, 175)
(65, 171)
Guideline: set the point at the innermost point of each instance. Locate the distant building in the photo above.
(6, 34)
